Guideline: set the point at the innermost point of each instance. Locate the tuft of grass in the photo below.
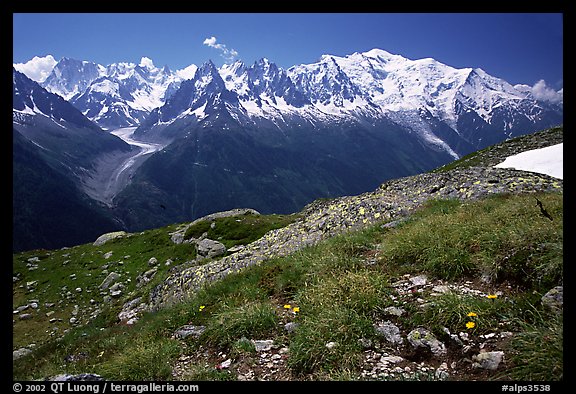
(243, 346)
(143, 360)
(202, 373)
(500, 238)
(453, 311)
(253, 320)
(328, 342)
(537, 353)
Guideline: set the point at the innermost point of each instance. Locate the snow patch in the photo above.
(547, 161)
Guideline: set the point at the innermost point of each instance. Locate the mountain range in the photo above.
(265, 137)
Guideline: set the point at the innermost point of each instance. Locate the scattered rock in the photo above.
(83, 377)
(236, 248)
(225, 364)
(394, 311)
(291, 326)
(131, 311)
(263, 345)
(146, 277)
(441, 372)
(116, 289)
(189, 330)
(488, 360)
(331, 345)
(419, 280)
(16, 354)
(112, 276)
(391, 359)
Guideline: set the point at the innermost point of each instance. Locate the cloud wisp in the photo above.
(541, 91)
(37, 69)
(228, 54)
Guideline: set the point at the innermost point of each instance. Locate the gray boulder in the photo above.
(488, 360)
(101, 240)
(420, 337)
(389, 331)
(16, 354)
(111, 278)
(554, 299)
(208, 248)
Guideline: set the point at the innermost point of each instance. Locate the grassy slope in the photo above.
(340, 286)
(340, 297)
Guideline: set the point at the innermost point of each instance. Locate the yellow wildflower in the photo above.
(296, 309)
(201, 308)
(472, 314)
(492, 296)
(287, 306)
(470, 324)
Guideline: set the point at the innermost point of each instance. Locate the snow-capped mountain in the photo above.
(457, 110)
(70, 77)
(117, 95)
(60, 129)
(275, 139)
(415, 92)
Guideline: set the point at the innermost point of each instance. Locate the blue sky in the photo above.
(518, 47)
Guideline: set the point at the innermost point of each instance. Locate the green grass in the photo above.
(255, 320)
(342, 286)
(239, 229)
(501, 238)
(543, 362)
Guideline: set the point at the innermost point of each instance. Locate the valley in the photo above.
(114, 171)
